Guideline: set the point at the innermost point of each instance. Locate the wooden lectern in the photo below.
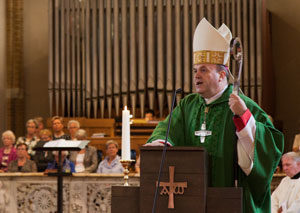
(183, 187)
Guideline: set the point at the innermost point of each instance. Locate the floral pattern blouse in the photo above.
(30, 144)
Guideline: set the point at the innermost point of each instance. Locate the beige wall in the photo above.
(36, 58)
(2, 65)
(286, 64)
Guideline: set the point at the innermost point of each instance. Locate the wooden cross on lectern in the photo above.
(172, 187)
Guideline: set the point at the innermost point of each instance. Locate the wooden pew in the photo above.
(138, 127)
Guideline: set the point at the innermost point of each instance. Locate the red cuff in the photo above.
(241, 121)
(163, 143)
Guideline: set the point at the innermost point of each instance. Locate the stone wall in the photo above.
(34, 192)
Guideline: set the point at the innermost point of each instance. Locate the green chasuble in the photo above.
(187, 118)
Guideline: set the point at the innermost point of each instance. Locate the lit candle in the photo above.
(126, 134)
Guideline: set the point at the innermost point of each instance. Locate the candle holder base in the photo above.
(126, 164)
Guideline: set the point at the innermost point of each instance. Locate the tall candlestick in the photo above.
(126, 134)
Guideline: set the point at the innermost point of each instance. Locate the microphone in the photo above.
(164, 150)
(177, 91)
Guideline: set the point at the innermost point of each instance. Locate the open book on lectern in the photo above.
(62, 143)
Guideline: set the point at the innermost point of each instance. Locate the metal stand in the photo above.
(59, 174)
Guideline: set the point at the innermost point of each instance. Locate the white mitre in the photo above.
(211, 46)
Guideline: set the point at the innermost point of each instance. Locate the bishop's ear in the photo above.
(222, 75)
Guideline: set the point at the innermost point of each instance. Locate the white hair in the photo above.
(294, 155)
(75, 122)
(81, 133)
(111, 142)
(10, 134)
(32, 121)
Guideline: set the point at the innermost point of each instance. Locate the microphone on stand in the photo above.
(164, 150)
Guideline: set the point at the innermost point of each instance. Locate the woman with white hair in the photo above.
(8, 152)
(85, 160)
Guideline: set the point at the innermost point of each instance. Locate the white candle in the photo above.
(126, 134)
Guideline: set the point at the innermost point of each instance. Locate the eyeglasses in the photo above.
(6, 139)
(45, 138)
(33, 127)
(19, 149)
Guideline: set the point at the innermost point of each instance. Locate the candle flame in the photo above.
(125, 107)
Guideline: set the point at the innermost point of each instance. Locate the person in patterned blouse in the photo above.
(30, 138)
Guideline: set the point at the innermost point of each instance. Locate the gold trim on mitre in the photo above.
(209, 57)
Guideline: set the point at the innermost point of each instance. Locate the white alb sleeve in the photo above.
(245, 146)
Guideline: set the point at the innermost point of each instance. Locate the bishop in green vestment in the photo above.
(227, 120)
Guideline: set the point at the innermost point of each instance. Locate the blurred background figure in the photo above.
(42, 158)
(85, 160)
(67, 166)
(8, 152)
(22, 163)
(296, 144)
(57, 128)
(137, 165)
(149, 115)
(286, 197)
(73, 127)
(40, 122)
(30, 138)
(111, 163)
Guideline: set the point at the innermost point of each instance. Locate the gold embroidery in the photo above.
(217, 57)
(209, 57)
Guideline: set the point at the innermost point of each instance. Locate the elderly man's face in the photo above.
(207, 79)
(73, 128)
(290, 167)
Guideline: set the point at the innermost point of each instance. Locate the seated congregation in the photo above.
(21, 156)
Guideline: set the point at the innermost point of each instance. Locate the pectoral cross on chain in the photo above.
(203, 132)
